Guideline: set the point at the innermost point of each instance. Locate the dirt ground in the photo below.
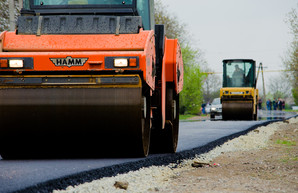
(271, 169)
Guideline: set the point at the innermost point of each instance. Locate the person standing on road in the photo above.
(260, 103)
(269, 104)
(283, 104)
(274, 103)
(203, 108)
(279, 103)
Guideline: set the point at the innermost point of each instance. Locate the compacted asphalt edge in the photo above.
(153, 159)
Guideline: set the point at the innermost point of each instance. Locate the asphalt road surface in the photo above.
(45, 175)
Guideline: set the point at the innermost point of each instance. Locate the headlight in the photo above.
(120, 62)
(16, 63)
(213, 109)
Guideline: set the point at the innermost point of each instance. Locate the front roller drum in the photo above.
(237, 110)
(63, 122)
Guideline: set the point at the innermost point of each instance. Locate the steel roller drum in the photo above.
(237, 110)
(77, 121)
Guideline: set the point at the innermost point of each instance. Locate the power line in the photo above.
(260, 71)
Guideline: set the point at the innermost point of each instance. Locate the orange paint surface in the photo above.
(102, 42)
(174, 64)
(94, 47)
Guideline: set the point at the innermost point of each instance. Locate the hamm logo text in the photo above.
(69, 61)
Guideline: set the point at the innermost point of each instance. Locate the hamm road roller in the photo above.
(88, 77)
(239, 94)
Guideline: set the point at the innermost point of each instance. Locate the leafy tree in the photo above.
(4, 14)
(172, 26)
(192, 95)
(211, 85)
(291, 59)
(279, 87)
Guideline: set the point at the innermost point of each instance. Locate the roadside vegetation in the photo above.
(4, 14)
(185, 117)
(291, 57)
(192, 95)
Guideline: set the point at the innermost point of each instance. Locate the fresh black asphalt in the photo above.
(46, 175)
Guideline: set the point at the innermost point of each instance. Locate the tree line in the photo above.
(198, 86)
(291, 57)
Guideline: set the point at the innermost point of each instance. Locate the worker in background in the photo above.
(274, 103)
(269, 105)
(203, 106)
(260, 103)
(283, 104)
(280, 104)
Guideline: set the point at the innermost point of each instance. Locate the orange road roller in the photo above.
(88, 77)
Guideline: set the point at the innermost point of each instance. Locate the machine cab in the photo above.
(238, 73)
(91, 11)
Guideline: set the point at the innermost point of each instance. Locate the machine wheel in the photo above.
(139, 142)
(212, 116)
(256, 115)
(166, 140)
(146, 127)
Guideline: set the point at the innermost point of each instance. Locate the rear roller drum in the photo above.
(166, 140)
(237, 110)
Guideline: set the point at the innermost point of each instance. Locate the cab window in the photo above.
(238, 74)
(82, 2)
(145, 9)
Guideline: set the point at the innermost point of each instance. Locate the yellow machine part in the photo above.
(239, 103)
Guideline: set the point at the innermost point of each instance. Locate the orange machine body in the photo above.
(95, 48)
(97, 70)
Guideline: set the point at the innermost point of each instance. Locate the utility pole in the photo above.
(262, 70)
(264, 93)
(11, 15)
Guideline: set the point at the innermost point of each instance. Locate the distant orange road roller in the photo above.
(88, 78)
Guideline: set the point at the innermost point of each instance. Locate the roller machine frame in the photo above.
(239, 94)
(88, 78)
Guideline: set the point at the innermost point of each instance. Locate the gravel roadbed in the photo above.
(158, 178)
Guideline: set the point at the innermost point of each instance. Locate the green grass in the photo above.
(286, 142)
(291, 110)
(289, 159)
(184, 117)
